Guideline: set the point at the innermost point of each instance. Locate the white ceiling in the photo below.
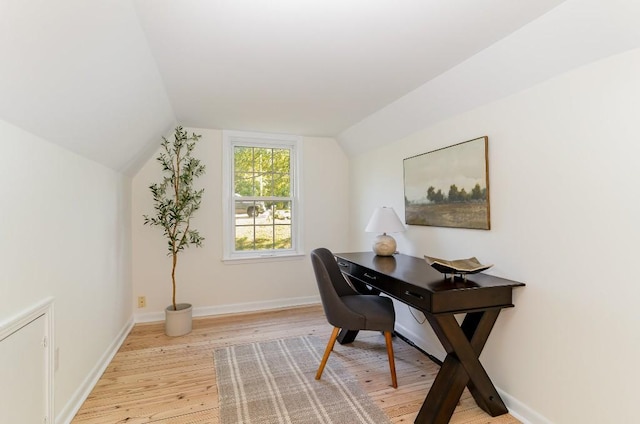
(313, 67)
(108, 78)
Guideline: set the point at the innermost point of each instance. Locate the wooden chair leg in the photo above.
(392, 364)
(327, 351)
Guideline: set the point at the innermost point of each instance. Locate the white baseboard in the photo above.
(234, 308)
(69, 411)
(520, 411)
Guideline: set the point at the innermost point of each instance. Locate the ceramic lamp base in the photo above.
(384, 245)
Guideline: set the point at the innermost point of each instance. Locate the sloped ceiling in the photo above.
(108, 78)
(308, 66)
(80, 74)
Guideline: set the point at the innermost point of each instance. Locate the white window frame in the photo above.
(230, 139)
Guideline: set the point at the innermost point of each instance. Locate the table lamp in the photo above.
(384, 220)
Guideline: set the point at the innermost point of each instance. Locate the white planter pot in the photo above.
(178, 322)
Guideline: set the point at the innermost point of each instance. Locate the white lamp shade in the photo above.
(384, 220)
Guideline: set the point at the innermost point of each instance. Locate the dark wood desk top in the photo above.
(412, 281)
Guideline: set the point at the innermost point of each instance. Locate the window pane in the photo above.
(281, 160)
(262, 159)
(243, 159)
(264, 237)
(281, 185)
(248, 208)
(261, 181)
(267, 185)
(245, 238)
(282, 212)
(244, 184)
(282, 237)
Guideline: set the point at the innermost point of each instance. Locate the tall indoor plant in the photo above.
(175, 201)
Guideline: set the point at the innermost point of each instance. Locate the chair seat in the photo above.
(376, 311)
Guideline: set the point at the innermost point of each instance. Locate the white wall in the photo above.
(65, 233)
(564, 179)
(216, 287)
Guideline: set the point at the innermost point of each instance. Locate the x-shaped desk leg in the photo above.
(347, 336)
(461, 367)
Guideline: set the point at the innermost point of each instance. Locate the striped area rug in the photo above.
(274, 382)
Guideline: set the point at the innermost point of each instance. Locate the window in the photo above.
(262, 205)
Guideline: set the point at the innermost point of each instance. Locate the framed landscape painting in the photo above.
(449, 187)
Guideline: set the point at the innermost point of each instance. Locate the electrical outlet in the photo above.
(142, 301)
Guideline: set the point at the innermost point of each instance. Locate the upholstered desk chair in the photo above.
(347, 309)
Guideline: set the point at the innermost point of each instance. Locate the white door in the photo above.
(22, 374)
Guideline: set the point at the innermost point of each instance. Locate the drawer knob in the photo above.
(410, 293)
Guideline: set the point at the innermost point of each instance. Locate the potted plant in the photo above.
(175, 201)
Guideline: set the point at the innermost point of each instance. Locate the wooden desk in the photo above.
(481, 297)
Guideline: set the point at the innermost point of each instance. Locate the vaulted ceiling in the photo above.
(108, 78)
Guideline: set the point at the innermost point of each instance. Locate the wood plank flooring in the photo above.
(158, 379)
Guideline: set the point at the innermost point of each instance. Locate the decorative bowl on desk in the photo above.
(456, 267)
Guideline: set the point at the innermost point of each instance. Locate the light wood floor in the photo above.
(157, 379)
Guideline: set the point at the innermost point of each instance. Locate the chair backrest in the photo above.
(332, 286)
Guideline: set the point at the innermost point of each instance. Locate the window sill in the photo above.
(263, 258)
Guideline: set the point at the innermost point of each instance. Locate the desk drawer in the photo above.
(389, 285)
